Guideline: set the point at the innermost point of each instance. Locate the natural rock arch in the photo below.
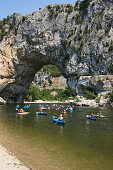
(50, 36)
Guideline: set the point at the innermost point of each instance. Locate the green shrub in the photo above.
(110, 48)
(52, 70)
(99, 26)
(75, 38)
(110, 68)
(107, 30)
(34, 93)
(111, 97)
(107, 44)
(69, 8)
(101, 56)
(2, 34)
(98, 100)
(86, 30)
(101, 37)
(51, 14)
(107, 96)
(5, 21)
(11, 26)
(78, 19)
(49, 7)
(90, 95)
(109, 25)
(57, 8)
(79, 37)
(77, 99)
(76, 5)
(73, 47)
(23, 18)
(84, 6)
(2, 28)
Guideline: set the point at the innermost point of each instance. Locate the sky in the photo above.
(8, 7)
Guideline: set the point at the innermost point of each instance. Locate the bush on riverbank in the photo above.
(90, 95)
(111, 97)
(35, 93)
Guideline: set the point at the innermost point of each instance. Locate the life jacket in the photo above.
(60, 118)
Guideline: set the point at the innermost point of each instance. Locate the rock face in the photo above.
(78, 40)
(98, 84)
(2, 101)
(43, 80)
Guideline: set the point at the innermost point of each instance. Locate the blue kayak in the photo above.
(92, 118)
(56, 120)
(26, 107)
(41, 113)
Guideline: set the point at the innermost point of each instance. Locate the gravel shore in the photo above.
(9, 162)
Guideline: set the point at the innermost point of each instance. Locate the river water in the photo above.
(81, 144)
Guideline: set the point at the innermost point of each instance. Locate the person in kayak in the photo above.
(21, 111)
(64, 111)
(92, 116)
(100, 114)
(60, 117)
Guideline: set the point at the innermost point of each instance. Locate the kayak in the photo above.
(89, 117)
(17, 107)
(56, 120)
(41, 113)
(92, 118)
(71, 110)
(100, 116)
(23, 113)
(26, 107)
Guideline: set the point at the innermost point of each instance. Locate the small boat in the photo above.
(17, 107)
(89, 117)
(41, 113)
(26, 107)
(56, 120)
(22, 113)
(101, 116)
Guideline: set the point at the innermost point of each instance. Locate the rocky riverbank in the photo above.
(2, 101)
(9, 162)
(80, 101)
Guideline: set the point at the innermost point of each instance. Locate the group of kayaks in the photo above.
(21, 111)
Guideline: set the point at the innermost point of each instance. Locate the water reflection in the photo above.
(61, 128)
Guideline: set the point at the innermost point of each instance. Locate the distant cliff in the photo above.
(77, 39)
(46, 81)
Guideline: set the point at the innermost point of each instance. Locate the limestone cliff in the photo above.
(46, 81)
(77, 39)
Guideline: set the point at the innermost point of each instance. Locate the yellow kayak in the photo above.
(100, 116)
(24, 113)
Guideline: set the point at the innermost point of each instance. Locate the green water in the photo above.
(81, 144)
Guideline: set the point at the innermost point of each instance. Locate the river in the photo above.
(82, 144)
